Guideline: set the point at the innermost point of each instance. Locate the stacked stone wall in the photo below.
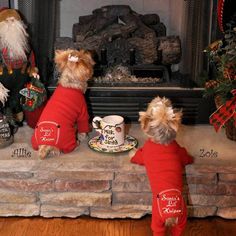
(115, 189)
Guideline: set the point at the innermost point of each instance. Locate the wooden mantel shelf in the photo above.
(86, 182)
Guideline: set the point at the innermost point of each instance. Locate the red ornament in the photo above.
(220, 12)
(30, 103)
(225, 12)
(28, 85)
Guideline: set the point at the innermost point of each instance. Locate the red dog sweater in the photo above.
(57, 123)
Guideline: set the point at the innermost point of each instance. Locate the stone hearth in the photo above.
(86, 182)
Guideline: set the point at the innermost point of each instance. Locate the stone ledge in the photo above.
(85, 182)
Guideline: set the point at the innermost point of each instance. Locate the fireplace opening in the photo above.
(119, 37)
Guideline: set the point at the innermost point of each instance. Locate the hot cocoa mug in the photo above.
(111, 129)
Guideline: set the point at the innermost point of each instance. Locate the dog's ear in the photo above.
(175, 123)
(87, 56)
(61, 57)
(90, 58)
(144, 120)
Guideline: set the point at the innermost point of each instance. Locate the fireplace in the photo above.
(119, 37)
(189, 23)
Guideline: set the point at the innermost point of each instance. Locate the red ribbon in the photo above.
(30, 86)
(224, 113)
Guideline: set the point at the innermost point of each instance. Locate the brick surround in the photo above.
(85, 182)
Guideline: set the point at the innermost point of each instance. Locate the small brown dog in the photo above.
(65, 114)
(160, 121)
(164, 160)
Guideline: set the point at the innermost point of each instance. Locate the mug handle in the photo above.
(96, 123)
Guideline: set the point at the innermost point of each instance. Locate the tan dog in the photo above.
(160, 122)
(66, 112)
(164, 159)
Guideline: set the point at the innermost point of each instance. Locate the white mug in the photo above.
(111, 129)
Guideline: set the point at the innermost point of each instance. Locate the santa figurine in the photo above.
(17, 62)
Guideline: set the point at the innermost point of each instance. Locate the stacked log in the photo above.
(120, 30)
(171, 49)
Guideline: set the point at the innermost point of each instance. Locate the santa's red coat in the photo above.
(65, 112)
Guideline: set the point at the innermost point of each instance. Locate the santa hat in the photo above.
(6, 13)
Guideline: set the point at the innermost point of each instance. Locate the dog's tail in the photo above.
(170, 222)
(44, 151)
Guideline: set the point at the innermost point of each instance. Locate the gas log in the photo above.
(123, 36)
(170, 48)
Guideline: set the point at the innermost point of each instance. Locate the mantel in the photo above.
(86, 182)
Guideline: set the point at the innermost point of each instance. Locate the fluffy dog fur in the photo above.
(74, 74)
(76, 67)
(160, 122)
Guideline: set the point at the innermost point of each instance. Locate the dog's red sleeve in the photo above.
(138, 157)
(83, 119)
(83, 126)
(185, 157)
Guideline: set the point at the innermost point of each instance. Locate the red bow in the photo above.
(224, 113)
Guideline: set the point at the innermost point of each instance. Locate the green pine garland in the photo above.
(223, 57)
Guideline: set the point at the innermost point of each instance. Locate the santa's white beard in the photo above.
(14, 37)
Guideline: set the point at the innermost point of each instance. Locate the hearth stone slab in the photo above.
(101, 185)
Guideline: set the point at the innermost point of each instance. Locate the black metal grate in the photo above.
(129, 101)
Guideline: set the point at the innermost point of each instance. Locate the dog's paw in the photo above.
(54, 152)
(82, 136)
(171, 222)
(47, 151)
(132, 152)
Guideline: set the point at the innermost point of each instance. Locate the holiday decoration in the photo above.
(34, 95)
(224, 113)
(17, 62)
(222, 60)
(6, 132)
(226, 13)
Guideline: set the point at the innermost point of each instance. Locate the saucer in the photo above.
(130, 143)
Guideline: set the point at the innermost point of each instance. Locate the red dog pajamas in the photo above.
(57, 123)
(164, 165)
